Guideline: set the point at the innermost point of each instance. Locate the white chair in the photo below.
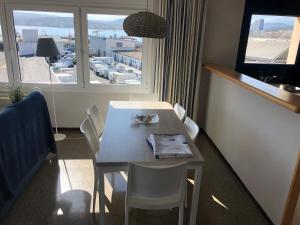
(180, 111)
(87, 129)
(94, 113)
(153, 187)
(193, 131)
(191, 128)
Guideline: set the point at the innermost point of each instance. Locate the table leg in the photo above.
(196, 191)
(101, 192)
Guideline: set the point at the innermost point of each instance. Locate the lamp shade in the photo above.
(46, 47)
(145, 24)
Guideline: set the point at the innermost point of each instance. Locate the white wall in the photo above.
(223, 25)
(258, 138)
(71, 106)
(221, 41)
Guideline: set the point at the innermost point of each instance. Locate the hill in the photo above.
(34, 19)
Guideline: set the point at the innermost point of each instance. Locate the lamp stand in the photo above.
(57, 136)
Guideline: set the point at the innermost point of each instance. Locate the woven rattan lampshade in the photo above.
(145, 24)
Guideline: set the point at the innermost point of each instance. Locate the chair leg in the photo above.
(126, 215)
(185, 197)
(95, 189)
(181, 211)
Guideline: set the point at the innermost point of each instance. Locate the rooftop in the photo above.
(266, 48)
(133, 54)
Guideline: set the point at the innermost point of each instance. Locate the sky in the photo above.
(289, 20)
(103, 17)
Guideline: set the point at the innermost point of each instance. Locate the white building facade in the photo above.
(130, 58)
(101, 46)
(27, 46)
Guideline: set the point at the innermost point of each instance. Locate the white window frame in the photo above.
(81, 39)
(147, 57)
(7, 50)
(14, 54)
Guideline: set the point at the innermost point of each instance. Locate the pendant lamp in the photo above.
(145, 24)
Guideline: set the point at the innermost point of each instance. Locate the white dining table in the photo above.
(124, 141)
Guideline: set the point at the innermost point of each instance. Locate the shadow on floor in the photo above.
(61, 193)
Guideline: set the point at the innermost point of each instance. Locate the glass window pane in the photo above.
(32, 25)
(273, 39)
(3, 68)
(114, 57)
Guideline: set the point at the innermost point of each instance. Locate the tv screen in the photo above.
(269, 41)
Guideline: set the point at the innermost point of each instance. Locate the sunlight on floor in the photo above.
(77, 174)
(60, 212)
(124, 175)
(108, 187)
(219, 202)
(191, 181)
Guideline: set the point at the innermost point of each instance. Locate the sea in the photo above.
(69, 32)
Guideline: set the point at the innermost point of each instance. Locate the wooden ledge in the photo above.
(274, 94)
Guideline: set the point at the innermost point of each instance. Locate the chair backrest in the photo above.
(87, 129)
(94, 113)
(156, 182)
(180, 111)
(191, 128)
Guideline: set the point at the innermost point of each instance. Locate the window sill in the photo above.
(97, 88)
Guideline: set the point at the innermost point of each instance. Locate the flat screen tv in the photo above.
(269, 47)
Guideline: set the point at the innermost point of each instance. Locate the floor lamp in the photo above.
(47, 48)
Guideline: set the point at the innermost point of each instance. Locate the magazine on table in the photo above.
(169, 145)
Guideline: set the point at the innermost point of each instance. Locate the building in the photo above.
(101, 46)
(262, 50)
(29, 38)
(27, 45)
(130, 58)
(65, 45)
(258, 25)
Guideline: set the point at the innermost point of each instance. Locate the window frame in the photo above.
(6, 47)
(81, 40)
(14, 53)
(147, 56)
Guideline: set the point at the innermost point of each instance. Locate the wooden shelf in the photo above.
(274, 94)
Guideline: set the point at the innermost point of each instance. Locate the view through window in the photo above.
(3, 69)
(273, 39)
(32, 25)
(114, 57)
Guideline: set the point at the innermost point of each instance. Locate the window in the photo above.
(3, 69)
(93, 49)
(111, 51)
(29, 26)
(273, 39)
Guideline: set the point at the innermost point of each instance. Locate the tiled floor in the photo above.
(61, 193)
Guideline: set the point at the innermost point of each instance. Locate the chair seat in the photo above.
(142, 202)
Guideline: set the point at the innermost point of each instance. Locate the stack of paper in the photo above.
(165, 146)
